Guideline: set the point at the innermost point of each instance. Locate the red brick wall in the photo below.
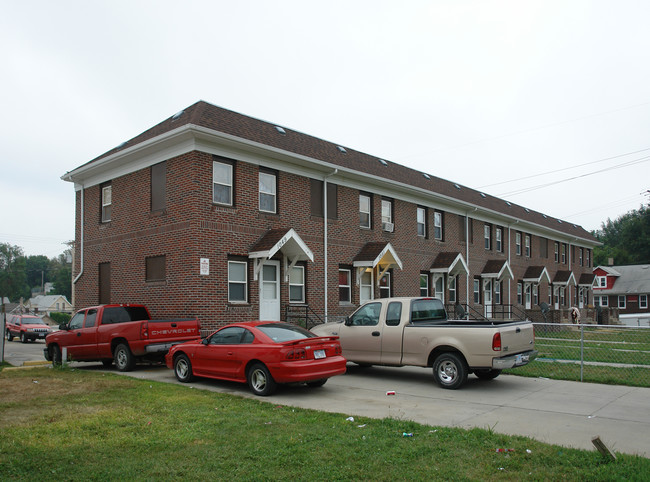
(192, 228)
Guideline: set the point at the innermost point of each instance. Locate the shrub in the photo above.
(60, 318)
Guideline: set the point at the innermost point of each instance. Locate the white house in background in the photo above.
(46, 304)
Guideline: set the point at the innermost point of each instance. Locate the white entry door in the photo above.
(487, 298)
(270, 291)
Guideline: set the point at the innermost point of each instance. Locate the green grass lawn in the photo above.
(64, 424)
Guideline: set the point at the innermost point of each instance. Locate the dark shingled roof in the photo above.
(533, 272)
(216, 118)
(586, 278)
(444, 260)
(370, 251)
(269, 240)
(493, 266)
(562, 276)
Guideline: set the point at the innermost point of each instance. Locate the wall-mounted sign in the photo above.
(205, 266)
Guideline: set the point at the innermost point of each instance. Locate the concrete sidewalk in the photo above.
(552, 411)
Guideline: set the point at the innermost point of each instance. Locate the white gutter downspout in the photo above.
(81, 251)
(325, 236)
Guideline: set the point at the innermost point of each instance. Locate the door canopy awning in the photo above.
(450, 263)
(497, 269)
(377, 254)
(587, 280)
(536, 274)
(564, 278)
(282, 241)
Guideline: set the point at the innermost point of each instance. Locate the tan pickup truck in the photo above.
(416, 331)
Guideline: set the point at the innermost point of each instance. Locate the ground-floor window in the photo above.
(520, 294)
(297, 285)
(237, 281)
(424, 285)
(452, 290)
(477, 291)
(365, 287)
(439, 288)
(621, 302)
(345, 286)
(384, 286)
(643, 301)
(497, 292)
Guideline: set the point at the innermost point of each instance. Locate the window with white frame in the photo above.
(421, 219)
(520, 294)
(621, 302)
(297, 284)
(387, 215)
(107, 202)
(439, 287)
(499, 239)
(556, 247)
(580, 255)
(563, 296)
(364, 211)
(497, 292)
(365, 287)
(487, 235)
(237, 281)
(602, 281)
(384, 286)
(563, 253)
(518, 244)
(268, 192)
(527, 245)
(437, 225)
(643, 301)
(452, 290)
(222, 183)
(424, 284)
(602, 300)
(587, 260)
(345, 286)
(477, 291)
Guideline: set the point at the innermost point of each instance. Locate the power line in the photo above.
(563, 169)
(553, 183)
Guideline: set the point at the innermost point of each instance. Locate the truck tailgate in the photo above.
(517, 337)
(164, 330)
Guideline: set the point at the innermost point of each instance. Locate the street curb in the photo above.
(36, 363)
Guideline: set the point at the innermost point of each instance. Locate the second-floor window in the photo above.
(564, 254)
(602, 281)
(387, 215)
(580, 256)
(364, 211)
(557, 252)
(518, 244)
(487, 235)
(499, 239)
(107, 202)
(437, 225)
(527, 245)
(222, 183)
(268, 192)
(421, 219)
(587, 260)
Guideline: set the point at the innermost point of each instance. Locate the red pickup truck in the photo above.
(123, 333)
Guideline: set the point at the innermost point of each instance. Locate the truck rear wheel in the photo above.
(450, 370)
(124, 359)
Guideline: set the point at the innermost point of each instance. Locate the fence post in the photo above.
(582, 350)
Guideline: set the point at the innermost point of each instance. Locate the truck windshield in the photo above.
(425, 310)
(122, 314)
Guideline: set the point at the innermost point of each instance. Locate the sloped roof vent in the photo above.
(342, 149)
(177, 115)
(426, 176)
(382, 162)
(280, 130)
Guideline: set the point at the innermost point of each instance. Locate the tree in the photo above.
(626, 240)
(37, 270)
(13, 276)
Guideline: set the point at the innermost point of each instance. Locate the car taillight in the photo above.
(496, 342)
(337, 350)
(144, 330)
(297, 354)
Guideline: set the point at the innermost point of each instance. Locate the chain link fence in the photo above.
(611, 354)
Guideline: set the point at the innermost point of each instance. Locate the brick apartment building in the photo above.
(222, 216)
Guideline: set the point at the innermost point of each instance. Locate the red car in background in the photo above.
(26, 327)
(260, 353)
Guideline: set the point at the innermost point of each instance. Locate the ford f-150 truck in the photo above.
(416, 331)
(124, 333)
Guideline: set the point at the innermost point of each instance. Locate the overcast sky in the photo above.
(553, 96)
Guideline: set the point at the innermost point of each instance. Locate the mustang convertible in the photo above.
(261, 353)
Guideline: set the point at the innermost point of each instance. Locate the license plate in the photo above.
(319, 354)
(522, 359)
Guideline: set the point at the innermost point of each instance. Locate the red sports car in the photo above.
(262, 353)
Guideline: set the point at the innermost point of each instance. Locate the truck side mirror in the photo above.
(204, 341)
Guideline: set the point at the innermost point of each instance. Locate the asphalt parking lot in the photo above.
(553, 411)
